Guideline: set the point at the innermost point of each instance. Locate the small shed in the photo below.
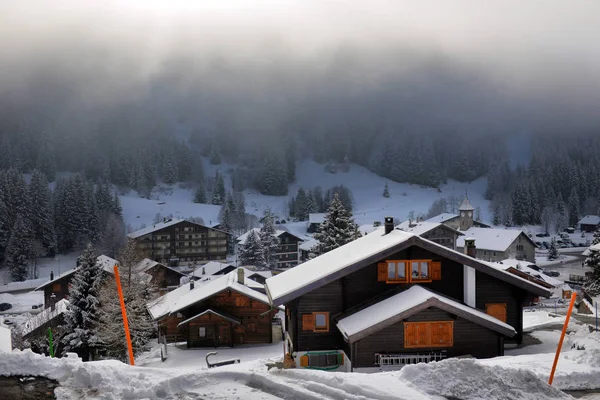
(589, 223)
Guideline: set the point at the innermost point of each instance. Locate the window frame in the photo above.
(396, 279)
(418, 279)
(317, 328)
(429, 343)
(408, 278)
(202, 329)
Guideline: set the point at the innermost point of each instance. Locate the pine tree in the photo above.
(4, 228)
(592, 284)
(18, 249)
(82, 312)
(169, 169)
(553, 251)
(252, 251)
(138, 290)
(300, 204)
(240, 219)
(311, 206)
(386, 191)
(337, 229)
(200, 196)
(317, 193)
(273, 176)
(574, 209)
(218, 197)
(41, 212)
(268, 239)
(226, 217)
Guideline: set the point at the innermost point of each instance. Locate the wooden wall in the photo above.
(492, 290)
(469, 338)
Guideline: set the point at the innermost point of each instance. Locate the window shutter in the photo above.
(437, 333)
(497, 310)
(423, 334)
(308, 322)
(436, 270)
(382, 272)
(340, 358)
(410, 334)
(304, 361)
(448, 333)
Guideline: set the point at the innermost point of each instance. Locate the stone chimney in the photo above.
(191, 284)
(470, 248)
(389, 224)
(51, 275)
(240, 273)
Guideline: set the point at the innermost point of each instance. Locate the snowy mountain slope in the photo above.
(366, 187)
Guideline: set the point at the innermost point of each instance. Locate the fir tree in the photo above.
(337, 229)
(386, 191)
(200, 196)
(138, 290)
(82, 312)
(218, 197)
(553, 251)
(19, 249)
(116, 205)
(268, 239)
(300, 204)
(226, 217)
(311, 205)
(273, 176)
(4, 228)
(252, 251)
(592, 284)
(41, 212)
(574, 207)
(240, 212)
(169, 169)
(317, 193)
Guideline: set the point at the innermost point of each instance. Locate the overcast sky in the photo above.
(535, 61)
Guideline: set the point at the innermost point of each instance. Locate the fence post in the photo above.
(50, 340)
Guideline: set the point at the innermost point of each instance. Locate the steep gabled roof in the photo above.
(278, 232)
(409, 302)
(365, 251)
(184, 297)
(106, 262)
(166, 224)
(147, 264)
(465, 205)
(420, 228)
(443, 217)
(212, 268)
(213, 312)
(492, 239)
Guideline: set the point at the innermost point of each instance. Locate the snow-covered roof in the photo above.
(154, 227)
(316, 218)
(184, 297)
(363, 251)
(402, 305)
(147, 264)
(443, 217)
(420, 228)
(278, 232)
(590, 220)
(309, 244)
(523, 266)
(367, 228)
(45, 316)
(587, 251)
(491, 238)
(210, 268)
(466, 205)
(107, 263)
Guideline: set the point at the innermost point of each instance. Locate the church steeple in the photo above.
(466, 214)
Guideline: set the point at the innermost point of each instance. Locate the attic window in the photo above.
(405, 271)
(316, 322)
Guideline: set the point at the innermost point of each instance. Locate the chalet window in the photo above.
(242, 301)
(428, 334)
(202, 332)
(404, 271)
(496, 310)
(316, 322)
(519, 247)
(56, 287)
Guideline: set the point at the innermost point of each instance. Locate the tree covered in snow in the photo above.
(273, 176)
(553, 251)
(138, 290)
(41, 211)
(227, 215)
(19, 248)
(169, 169)
(592, 285)
(200, 195)
(240, 217)
(268, 239)
(252, 251)
(337, 229)
(386, 190)
(218, 195)
(81, 316)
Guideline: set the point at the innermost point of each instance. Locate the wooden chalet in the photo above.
(164, 277)
(223, 311)
(392, 298)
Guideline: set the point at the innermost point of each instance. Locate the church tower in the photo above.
(465, 214)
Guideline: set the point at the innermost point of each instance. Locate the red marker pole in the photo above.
(124, 312)
(562, 337)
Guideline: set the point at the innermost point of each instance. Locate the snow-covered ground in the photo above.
(539, 319)
(21, 303)
(366, 187)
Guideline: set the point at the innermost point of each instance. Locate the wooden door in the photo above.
(224, 335)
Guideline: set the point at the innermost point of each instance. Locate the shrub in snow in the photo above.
(553, 251)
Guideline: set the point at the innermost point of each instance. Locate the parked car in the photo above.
(551, 273)
(535, 267)
(546, 244)
(541, 234)
(5, 306)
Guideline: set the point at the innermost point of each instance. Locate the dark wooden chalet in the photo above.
(163, 277)
(392, 298)
(220, 312)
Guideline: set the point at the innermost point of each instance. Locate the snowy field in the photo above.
(366, 187)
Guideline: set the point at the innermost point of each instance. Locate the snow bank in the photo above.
(5, 340)
(468, 379)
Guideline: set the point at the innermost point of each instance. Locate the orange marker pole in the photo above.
(124, 312)
(562, 337)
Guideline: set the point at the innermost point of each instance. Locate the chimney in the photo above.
(51, 275)
(191, 284)
(240, 273)
(389, 224)
(470, 248)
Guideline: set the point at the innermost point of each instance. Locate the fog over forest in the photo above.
(447, 80)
